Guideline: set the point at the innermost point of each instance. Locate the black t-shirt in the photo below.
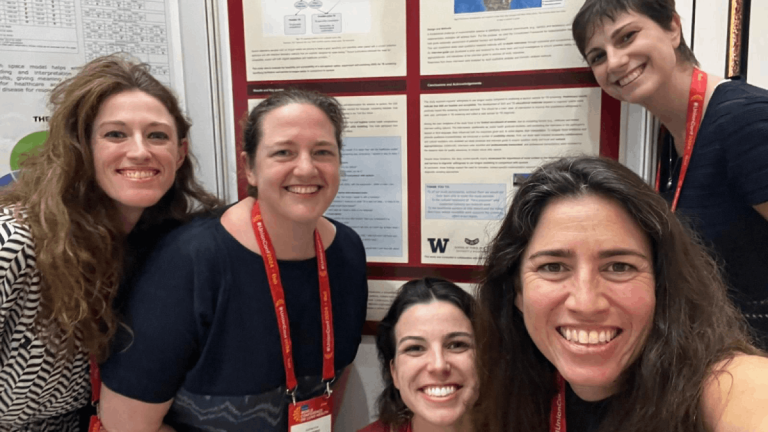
(727, 176)
(581, 415)
(205, 332)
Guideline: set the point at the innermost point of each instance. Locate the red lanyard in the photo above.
(557, 413)
(692, 122)
(95, 423)
(278, 297)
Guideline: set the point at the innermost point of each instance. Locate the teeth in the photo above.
(631, 76)
(303, 189)
(584, 337)
(440, 391)
(593, 338)
(134, 174)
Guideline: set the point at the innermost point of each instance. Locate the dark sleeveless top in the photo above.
(583, 416)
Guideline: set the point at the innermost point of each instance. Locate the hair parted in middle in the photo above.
(78, 233)
(592, 13)
(391, 408)
(252, 127)
(694, 324)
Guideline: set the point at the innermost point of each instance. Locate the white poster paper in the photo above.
(478, 147)
(298, 40)
(44, 42)
(480, 36)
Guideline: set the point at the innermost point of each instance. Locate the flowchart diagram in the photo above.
(290, 18)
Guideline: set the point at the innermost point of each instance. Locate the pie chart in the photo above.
(26, 144)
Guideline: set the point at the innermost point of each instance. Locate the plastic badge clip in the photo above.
(328, 391)
(291, 393)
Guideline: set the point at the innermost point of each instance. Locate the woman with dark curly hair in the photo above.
(598, 311)
(427, 350)
(112, 176)
(713, 162)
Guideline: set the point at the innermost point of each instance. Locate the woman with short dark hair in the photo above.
(713, 164)
(599, 310)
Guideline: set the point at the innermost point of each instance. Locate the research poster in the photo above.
(449, 105)
(44, 42)
(481, 36)
(320, 39)
(373, 194)
(477, 148)
(381, 294)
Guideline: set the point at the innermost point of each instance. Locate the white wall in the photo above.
(757, 61)
(711, 35)
(207, 81)
(358, 408)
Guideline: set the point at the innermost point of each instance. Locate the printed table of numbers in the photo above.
(38, 25)
(138, 27)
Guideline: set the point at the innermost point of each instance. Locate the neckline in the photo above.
(328, 248)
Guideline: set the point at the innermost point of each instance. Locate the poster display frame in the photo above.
(413, 85)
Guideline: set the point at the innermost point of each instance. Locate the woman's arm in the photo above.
(735, 397)
(123, 414)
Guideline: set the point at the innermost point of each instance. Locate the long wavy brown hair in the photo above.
(695, 326)
(78, 233)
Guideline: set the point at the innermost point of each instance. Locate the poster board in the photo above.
(428, 86)
(44, 42)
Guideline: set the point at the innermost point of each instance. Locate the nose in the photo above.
(305, 165)
(616, 60)
(138, 148)
(438, 363)
(586, 296)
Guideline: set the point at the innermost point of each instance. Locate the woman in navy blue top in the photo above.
(204, 352)
(637, 54)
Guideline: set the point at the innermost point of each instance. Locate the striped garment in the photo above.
(39, 391)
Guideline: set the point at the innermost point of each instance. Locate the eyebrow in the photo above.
(567, 253)
(458, 334)
(291, 142)
(451, 335)
(122, 123)
(407, 338)
(613, 36)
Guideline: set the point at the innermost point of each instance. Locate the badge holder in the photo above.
(313, 415)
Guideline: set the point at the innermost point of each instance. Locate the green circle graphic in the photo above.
(26, 144)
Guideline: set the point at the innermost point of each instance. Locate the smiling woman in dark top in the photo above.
(596, 299)
(637, 54)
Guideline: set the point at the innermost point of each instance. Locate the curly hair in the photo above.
(694, 327)
(662, 12)
(253, 125)
(77, 230)
(392, 409)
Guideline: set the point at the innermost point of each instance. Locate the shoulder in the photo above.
(735, 395)
(15, 238)
(194, 237)
(346, 236)
(737, 104)
(13, 227)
